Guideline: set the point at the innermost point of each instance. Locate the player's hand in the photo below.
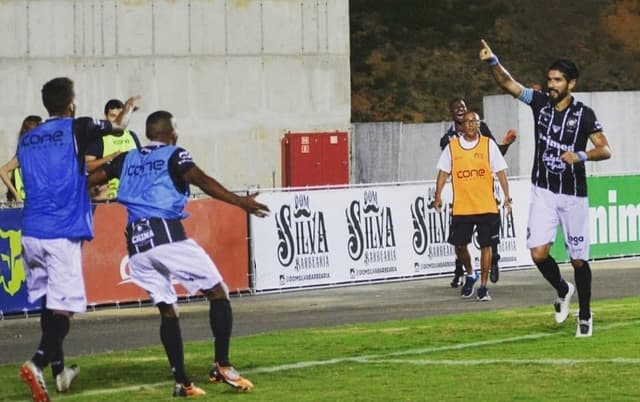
(254, 207)
(509, 137)
(132, 103)
(570, 157)
(437, 203)
(485, 51)
(507, 205)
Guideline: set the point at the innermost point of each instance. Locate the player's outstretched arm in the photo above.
(500, 74)
(122, 120)
(213, 188)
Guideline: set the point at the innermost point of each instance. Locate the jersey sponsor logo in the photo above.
(142, 233)
(184, 157)
(469, 173)
(552, 161)
(43, 140)
(145, 168)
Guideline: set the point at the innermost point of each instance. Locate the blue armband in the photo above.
(492, 61)
(582, 155)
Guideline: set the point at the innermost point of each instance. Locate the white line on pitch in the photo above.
(371, 359)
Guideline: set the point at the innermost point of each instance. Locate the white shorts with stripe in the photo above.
(184, 261)
(54, 270)
(547, 210)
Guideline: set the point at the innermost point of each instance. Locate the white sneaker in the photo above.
(562, 304)
(584, 329)
(66, 377)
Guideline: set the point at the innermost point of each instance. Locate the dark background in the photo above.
(410, 57)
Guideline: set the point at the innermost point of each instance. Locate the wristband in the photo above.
(492, 61)
(582, 156)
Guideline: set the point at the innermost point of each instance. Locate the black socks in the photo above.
(551, 272)
(172, 342)
(221, 321)
(55, 328)
(582, 277)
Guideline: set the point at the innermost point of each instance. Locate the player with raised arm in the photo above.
(563, 129)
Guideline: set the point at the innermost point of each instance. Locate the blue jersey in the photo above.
(146, 186)
(54, 176)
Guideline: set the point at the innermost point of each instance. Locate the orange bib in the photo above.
(472, 179)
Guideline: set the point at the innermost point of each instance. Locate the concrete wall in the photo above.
(237, 74)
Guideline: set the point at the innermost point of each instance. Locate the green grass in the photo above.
(507, 355)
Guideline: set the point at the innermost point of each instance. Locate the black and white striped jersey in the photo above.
(555, 133)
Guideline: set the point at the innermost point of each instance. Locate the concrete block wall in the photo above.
(237, 74)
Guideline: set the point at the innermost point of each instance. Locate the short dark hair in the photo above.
(566, 67)
(158, 123)
(113, 104)
(454, 100)
(57, 94)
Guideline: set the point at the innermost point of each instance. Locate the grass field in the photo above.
(507, 355)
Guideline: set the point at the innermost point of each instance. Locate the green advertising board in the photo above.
(614, 218)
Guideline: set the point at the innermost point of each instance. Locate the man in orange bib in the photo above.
(471, 160)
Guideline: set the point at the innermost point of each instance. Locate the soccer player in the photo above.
(458, 108)
(56, 219)
(563, 128)
(471, 160)
(154, 187)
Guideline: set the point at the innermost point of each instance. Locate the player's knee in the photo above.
(219, 291)
(577, 263)
(539, 255)
(167, 310)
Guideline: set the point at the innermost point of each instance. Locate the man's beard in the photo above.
(559, 98)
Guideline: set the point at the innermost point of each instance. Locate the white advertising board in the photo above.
(331, 237)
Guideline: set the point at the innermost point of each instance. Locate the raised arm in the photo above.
(5, 171)
(210, 186)
(122, 121)
(500, 74)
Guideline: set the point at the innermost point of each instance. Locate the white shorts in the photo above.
(547, 210)
(184, 261)
(54, 270)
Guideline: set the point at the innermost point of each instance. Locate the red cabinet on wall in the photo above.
(315, 159)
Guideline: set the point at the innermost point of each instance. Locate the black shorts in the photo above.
(487, 226)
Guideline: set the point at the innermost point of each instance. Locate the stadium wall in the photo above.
(236, 74)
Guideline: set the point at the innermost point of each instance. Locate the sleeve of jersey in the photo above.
(180, 162)
(444, 163)
(590, 122)
(88, 130)
(496, 159)
(444, 141)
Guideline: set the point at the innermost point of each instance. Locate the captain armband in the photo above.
(582, 156)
